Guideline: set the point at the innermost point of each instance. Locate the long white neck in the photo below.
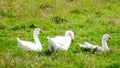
(37, 41)
(68, 42)
(104, 45)
(68, 37)
(36, 38)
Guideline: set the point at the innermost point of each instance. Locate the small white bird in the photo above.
(104, 47)
(60, 42)
(26, 45)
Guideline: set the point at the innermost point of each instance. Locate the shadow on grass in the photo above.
(45, 53)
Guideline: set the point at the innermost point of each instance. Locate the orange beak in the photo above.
(41, 31)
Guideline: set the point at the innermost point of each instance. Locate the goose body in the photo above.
(27, 45)
(60, 42)
(104, 47)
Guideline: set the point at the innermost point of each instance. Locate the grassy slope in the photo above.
(88, 19)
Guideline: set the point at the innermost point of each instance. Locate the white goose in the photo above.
(60, 42)
(26, 45)
(104, 47)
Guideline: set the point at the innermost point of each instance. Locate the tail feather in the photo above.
(18, 39)
(90, 45)
(48, 37)
(18, 43)
(52, 44)
(50, 41)
(82, 46)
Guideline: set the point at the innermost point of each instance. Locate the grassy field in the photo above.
(88, 19)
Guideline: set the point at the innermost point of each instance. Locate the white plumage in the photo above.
(26, 45)
(60, 42)
(104, 47)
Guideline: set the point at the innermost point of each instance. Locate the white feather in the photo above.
(104, 44)
(26, 45)
(60, 42)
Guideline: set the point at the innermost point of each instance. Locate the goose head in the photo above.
(70, 34)
(37, 31)
(106, 37)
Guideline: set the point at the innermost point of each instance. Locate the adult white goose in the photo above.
(26, 45)
(60, 42)
(104, 47)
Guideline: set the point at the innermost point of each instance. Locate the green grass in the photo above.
(88, 19)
